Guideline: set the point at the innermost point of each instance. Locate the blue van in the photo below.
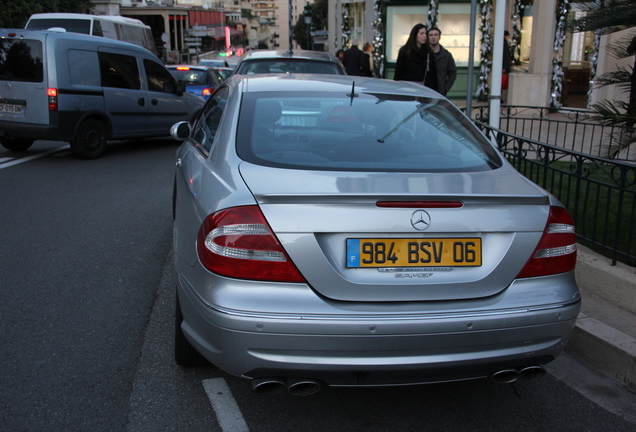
(85, 90)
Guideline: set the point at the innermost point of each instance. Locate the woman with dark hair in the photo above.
(416, 61)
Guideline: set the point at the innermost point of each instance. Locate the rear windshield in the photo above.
(21, 60)
(364, 132)
(287, 66)
(190, 76)
(72, 25)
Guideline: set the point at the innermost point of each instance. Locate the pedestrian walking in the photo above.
(354, 60)
(340, 55)
(444, 61)
(416, 61)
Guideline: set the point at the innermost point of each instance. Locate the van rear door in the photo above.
(125, 101)
(23, 81)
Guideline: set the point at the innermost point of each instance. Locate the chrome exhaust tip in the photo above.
(505, 376)
(269, 386)
(302, 387)
(532, 372)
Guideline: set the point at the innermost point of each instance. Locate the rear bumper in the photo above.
(61, 127)
(356, 349)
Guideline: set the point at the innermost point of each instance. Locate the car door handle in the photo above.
(154, 101)
(141, 101)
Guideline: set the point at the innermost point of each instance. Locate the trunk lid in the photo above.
(321, 217)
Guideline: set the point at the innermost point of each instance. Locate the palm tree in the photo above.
(605, 17)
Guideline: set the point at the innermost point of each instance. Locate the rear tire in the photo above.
(184, 353)
(90, 142)
(16, 144)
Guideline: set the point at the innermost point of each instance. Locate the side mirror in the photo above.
(180, 131)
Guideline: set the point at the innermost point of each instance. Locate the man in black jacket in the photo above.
(446, 69)
(354, 60)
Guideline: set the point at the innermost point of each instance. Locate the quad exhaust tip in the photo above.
(507, 376)
(302, 387)
(297, 387)
(268, 386)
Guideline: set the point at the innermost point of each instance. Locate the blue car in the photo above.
(201, 81)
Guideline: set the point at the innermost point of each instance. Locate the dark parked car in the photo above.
(279, 61)
(214, 63)
(337, 234)
(201, 81)
(225, 72)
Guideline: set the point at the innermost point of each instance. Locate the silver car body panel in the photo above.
(509, 219)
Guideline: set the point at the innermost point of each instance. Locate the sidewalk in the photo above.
(605, 332)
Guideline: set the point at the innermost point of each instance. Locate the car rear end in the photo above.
(198, 80)
(373, 237)
(25, 102)
(289, 62)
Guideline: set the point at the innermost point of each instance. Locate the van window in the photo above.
(120, 71)
(97, 28)
(72, 25)
(21, 60)
(159, 79)
(83, 67)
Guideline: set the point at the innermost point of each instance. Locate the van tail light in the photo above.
(208, 91)
(239, 243)
(52, 99)
(556, 251)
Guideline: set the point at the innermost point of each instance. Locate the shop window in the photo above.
(452, 19)
(454, 22)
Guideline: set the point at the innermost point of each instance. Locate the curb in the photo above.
(605, 332)
(605, 348)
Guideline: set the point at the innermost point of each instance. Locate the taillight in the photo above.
(52, 99)
(238, 243)
(207, 91)
(556, 251)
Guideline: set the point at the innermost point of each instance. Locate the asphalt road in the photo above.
(87, 319)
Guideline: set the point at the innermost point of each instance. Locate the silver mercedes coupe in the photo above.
(347, 231)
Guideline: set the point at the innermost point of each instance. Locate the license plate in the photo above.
(293, 121)
(439, 252)
(13, 109)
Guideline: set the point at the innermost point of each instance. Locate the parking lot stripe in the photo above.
(29, 158)
(225, 407)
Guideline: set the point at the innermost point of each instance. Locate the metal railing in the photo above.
(571, 129)
(600, 194)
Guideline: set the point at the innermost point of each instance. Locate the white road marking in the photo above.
(227, 411)
(18, 161)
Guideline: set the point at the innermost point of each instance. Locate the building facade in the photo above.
(552, 67)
